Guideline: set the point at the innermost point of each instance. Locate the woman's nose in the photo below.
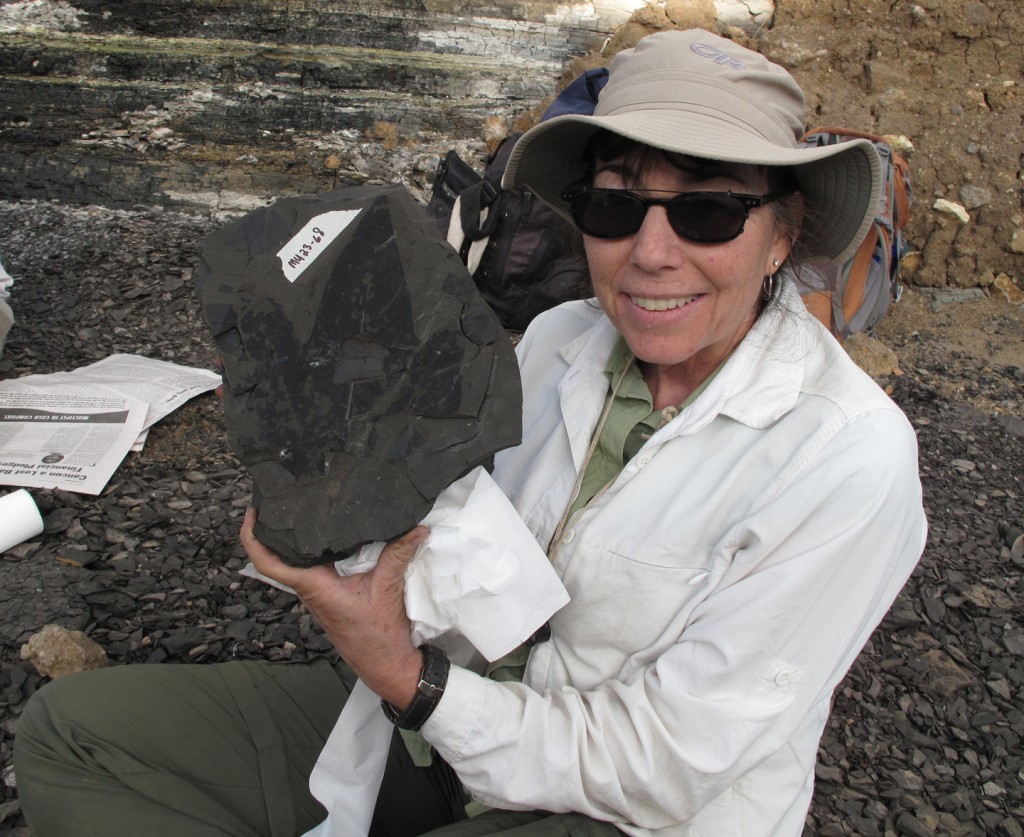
(655, 244)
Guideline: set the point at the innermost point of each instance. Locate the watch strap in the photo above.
(433, 679)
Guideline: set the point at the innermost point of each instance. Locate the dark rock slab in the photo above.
(363, 372)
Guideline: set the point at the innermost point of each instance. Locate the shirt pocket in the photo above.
(625, 610)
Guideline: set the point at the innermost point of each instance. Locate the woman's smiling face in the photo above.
(682, 306)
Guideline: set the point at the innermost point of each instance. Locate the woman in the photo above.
(730, 502)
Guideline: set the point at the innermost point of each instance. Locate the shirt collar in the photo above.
(758, 384)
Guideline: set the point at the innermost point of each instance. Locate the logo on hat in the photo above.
(719, 57)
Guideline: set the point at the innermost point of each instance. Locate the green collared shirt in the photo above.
(632, 420)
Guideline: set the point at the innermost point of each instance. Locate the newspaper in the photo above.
(71, 430)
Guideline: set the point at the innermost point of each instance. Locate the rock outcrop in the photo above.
(224, 104)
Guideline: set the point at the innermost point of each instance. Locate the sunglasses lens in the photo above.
(611, 213)
(607, 214)
(707, 218)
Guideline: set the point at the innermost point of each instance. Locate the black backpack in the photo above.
(524, 257)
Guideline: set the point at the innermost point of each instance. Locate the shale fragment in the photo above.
(363, 372)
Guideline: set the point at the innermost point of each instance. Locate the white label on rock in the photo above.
(307, 244)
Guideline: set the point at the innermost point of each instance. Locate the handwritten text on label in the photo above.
(307, 244)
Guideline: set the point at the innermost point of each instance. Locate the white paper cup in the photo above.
(19, 519)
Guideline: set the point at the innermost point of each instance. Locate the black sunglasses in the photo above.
(704, 217)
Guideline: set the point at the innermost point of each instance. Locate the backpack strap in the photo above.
(476, 224)
(856, 280)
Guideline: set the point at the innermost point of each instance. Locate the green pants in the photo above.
(204, 750)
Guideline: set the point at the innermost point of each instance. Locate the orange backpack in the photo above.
(855, 295)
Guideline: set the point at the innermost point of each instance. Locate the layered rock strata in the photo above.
(227, 104)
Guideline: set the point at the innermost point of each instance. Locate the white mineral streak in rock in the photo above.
(516, 41)
(748, 15)
(30, 15)
(613, 12)
(954, 209)
(225, 203)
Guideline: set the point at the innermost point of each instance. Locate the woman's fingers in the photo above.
(269, 563)
(390, 570)
(363, 615)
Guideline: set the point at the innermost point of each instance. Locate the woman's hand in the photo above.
(363, 615)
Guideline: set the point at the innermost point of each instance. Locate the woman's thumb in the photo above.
(402, 550)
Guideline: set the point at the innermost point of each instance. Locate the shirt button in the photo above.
(570, 536)
(643, 462)
(783, 677)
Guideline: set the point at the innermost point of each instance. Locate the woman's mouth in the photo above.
(649, 304)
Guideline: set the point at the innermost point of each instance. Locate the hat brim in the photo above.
(840, 183)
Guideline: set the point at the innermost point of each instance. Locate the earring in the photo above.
(768, 285)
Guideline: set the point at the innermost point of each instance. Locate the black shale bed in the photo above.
(926, 733)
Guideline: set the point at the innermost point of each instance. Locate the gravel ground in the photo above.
(926, 733)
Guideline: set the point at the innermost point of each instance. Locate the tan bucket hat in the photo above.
(698, 94)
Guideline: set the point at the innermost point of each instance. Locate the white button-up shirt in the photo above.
(721, 587)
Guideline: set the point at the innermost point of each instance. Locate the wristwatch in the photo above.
(433, 679)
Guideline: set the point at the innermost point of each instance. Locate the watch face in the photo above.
(363, 371)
